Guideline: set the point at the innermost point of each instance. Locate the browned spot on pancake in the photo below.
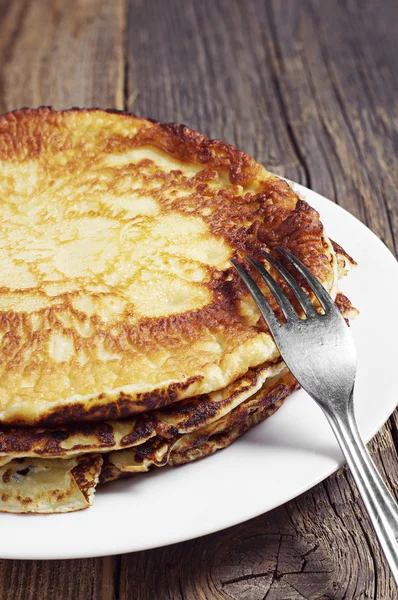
(124, 406)
(192, 413)
(346, 308)
(108, 473)
(24, 501)
(261, 401)
(143, 428)
(339, 250)
(343, 303)
(42, 441)
(7, 475)
(86, 473)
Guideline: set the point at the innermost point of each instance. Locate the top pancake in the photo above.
(116, 291)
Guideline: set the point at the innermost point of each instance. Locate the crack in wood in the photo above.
(180, 587)
(15, 33)
(116, 576)
(275, 572)
(125, 47)
(279, 95)
(372, 555)
(244, 578)
(311, 550)
(394, 433)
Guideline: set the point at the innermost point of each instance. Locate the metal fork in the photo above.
(319, 351)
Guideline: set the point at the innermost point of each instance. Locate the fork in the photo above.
(319, 351)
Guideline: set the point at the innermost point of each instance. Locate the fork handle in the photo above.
(381, 507)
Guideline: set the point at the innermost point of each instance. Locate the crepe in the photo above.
(117, 294)
(204, 441)
(182, 417)
(49, 486)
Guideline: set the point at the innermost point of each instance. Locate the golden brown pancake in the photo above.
(36, 485)
(179, 418)
(204, 441)
(54, 484)
(117, 295)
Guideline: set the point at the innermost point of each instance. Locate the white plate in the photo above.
(276, 461)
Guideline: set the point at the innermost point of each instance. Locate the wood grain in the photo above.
(308, 88)
(62, 54)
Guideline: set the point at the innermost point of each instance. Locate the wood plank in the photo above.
(61, 54)
(292, 83)
(63, 580)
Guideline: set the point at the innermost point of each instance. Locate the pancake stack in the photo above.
(127, 340)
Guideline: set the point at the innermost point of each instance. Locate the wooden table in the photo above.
(309, 88)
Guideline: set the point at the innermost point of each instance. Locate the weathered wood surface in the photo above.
(308, 87)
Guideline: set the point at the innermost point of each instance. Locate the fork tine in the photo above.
(287, 309)
(301, 296)
(258, 297)
(324, 299)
